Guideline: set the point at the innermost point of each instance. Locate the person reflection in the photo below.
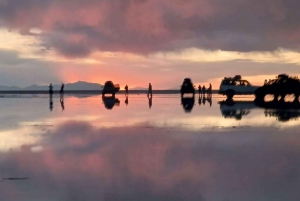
(150, 101)
(126, 100)
(50, 102)
(203, 100)
(199, 100)
(62, 104)
(209, 101)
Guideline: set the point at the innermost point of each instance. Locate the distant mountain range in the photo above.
(80, 85)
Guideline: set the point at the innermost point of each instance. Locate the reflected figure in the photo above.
(50, 89)
(50, 103)
(209, 100)
(188, 103)
(110, 102)
(61, 92)
(150, 101)
(199, 100)
(62, 104)
(126, 100)
(203, 99)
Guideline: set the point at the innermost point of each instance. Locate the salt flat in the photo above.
(82, 148)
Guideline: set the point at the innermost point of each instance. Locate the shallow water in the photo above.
(222, 152)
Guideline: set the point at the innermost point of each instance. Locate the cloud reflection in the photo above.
(83, 162)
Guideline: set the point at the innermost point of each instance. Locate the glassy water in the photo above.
(84, 148)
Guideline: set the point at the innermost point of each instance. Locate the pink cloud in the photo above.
(148, 26)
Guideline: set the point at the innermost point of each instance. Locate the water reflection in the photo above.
(188, 103)
(283, 115)
(283, 111)
(141, 154)
(110, 102)
(202, 99)
(62, 104)
(50, 102)
(150, 101)
(236, 109)
(81, 162)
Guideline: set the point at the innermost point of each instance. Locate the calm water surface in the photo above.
(146, 150)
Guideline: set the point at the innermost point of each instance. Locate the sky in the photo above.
(135, 42)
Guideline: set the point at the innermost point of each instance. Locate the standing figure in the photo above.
(126, 90)
(210, 90)
(61, 92)
(199, 90)
(266, 81)
(203, 90)
(50, 90)
(150, 90)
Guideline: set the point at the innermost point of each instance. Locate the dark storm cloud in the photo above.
(17, 71)
(76, 28)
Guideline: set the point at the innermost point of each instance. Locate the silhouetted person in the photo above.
(266, 81)
(50, 90)
(62, 104)
(150, 90)
(150, 101)
(199, 89)
(203, 90)
(51, 103)
(61, 92)
(126, 100)
(209, 90)
(126, 90)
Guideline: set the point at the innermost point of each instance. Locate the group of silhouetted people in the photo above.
(61, 92)
(203, 90)
(149, 94)
(149, 90)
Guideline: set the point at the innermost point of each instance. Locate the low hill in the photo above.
(80, 85)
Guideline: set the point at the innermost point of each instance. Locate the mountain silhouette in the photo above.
(80, 85)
